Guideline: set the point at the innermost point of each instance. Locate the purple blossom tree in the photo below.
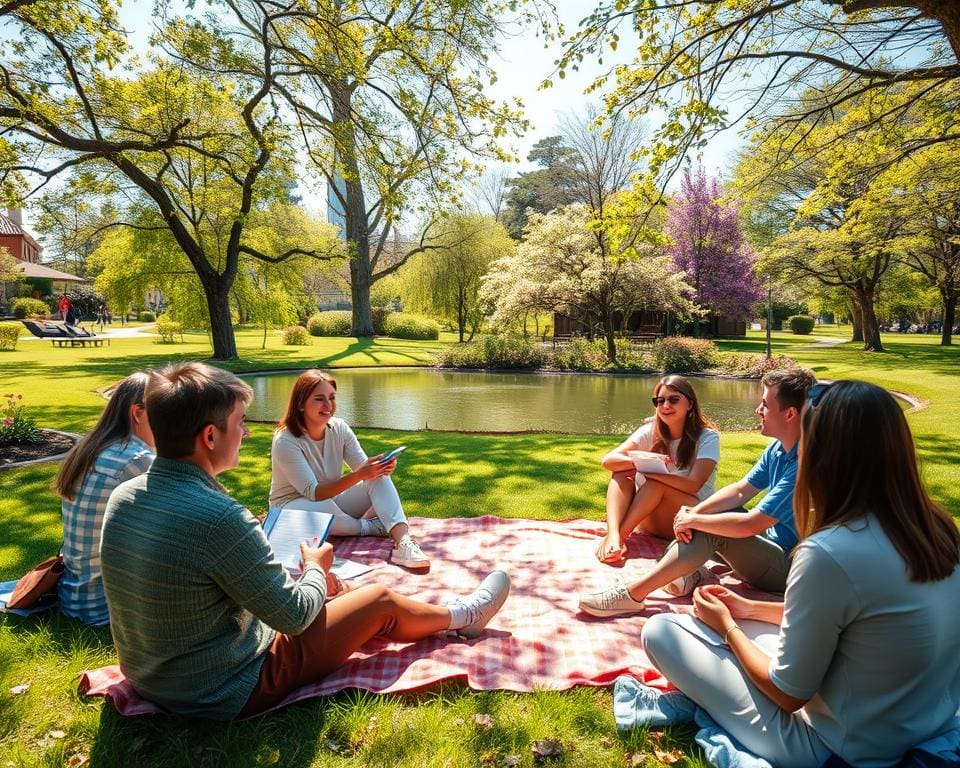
(709, 246)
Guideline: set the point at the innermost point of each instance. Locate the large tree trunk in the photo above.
(949, 317)
(355, 215)
(221, 324)
(856, 320)
(871, 326)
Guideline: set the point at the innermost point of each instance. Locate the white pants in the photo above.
(714, 679)
(348, 507)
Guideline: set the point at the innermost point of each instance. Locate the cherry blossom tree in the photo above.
(708, 245)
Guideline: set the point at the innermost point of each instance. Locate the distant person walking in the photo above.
(65, 306)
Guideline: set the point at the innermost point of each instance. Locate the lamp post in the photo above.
(769, 314)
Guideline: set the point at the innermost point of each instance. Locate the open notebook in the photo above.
(286, 528)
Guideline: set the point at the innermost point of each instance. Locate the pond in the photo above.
(417, 398)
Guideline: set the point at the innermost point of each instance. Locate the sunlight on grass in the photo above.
(441, 475)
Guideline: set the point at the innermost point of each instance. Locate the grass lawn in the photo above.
(512, 475)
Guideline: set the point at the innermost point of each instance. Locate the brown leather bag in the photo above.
(37, 584)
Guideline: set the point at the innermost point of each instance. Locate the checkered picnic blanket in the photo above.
(538, 640)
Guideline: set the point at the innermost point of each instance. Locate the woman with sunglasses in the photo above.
(679, 434)
(118, 448)
(868, 660)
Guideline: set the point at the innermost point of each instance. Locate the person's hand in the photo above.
(712, 611)
(375, 467)
(683, 523)
(321, 556)
(738, 605)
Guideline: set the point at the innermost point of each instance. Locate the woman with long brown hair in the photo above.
(118, 448)
(868, 660)
(684, 438)
(311, 446)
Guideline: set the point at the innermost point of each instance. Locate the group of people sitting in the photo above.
(207, 622)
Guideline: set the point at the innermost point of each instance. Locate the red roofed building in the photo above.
(16, 239)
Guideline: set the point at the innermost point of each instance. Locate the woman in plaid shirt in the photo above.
(119, 447)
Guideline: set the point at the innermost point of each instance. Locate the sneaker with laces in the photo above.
(612, 601)
(483, 603)
(684, 585)
(408, 554)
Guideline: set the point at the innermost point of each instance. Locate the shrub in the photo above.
(469, 355)
(169, 330)
(26, 307)
(678, 354)
(582, 355)
(336, 323)
(752, 366)
(296, 336)
(800, 324)
(379, 315)
(9, 333)
(400, 325)
(147, 316)
(15, 426)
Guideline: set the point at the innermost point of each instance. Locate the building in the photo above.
(27, 251)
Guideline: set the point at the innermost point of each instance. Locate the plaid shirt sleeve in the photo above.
(80, 587)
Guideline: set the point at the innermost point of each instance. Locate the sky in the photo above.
(524, 62)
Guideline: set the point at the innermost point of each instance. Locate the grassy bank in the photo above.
(532, 475)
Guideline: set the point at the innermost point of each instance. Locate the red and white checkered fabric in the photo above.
(538, 641)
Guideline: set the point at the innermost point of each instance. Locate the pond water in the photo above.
(416, 398)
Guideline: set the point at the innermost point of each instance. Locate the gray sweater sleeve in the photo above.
(246, 569)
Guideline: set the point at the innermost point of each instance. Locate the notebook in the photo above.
(286, 528)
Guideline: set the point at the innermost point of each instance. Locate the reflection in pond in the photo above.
(415, 398)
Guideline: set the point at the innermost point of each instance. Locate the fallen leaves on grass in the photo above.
(668, 756)
(546, 748)
(78, 761)
(483, 722)
(18, 689)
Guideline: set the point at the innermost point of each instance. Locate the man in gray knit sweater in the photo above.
(206, 621)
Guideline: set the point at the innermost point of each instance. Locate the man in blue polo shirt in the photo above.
(757, 543)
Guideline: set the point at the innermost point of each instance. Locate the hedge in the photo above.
(335, 323)
(26, 307)
(9, 333)
(296, 336)
(801, 324)
(400, 325)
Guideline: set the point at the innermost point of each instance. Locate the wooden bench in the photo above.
(79, 341)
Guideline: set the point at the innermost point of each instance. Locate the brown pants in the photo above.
(341, 627)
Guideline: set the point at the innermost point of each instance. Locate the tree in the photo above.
(561, 266)
(545, 189)
(390, 96)
(691, 56)
(446, 281)
(710, 249)
(925, 186)
(194, 134)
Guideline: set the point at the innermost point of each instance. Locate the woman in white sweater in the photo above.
(310, 448)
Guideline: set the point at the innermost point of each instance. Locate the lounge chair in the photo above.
(62, 335)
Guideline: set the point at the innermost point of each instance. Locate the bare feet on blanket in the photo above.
(611, 551)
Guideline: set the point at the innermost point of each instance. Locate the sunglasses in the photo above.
(816, 392)
(672, 399)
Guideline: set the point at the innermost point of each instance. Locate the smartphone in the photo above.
(393, 454)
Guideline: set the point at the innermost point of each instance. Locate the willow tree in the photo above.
(187, 127)
(391, 98)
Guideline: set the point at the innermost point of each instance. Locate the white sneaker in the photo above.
(684, 585)
(484, 603)
(408, 554)
(613, 601)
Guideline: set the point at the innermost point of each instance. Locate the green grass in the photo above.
(529, 475)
